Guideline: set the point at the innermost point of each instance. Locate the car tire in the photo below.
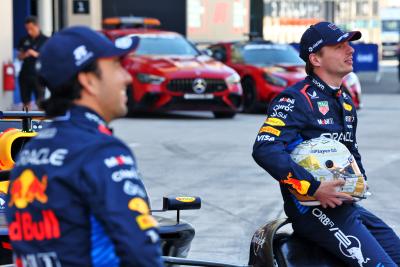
(249, 95)
(131, 104)
(224, 114)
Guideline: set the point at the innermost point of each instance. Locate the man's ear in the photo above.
(314, 60)
(87, 80)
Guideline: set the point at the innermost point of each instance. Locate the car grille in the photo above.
(186, 85)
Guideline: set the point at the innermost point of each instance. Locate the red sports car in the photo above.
(266, 69)
(169, 73)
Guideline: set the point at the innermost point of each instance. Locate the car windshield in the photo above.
(168, 44)
(266, 54)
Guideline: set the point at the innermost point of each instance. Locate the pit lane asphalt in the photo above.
(195, 154)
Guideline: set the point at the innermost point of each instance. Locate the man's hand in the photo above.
(32, 53)
(328, 195)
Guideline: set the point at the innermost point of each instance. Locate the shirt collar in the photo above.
(86, 118)
(317, 82)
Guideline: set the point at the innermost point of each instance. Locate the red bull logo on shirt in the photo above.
(299, 185)
(24, 228)
(26, 189)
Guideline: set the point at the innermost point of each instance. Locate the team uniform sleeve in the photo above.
(280, 131)
(119, 203)
(353, 148)
(20, 45)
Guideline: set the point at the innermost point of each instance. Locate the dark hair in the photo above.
(309, 66)
(62, 97)
(31, 19)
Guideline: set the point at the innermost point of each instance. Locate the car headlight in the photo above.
(275, 80)
(233, 79)
(149, 78)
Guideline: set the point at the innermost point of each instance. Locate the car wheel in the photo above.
(131, 104)
(249, 95)
(224, 114)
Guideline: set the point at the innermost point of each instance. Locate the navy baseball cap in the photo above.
(70, 50)
(322, 34)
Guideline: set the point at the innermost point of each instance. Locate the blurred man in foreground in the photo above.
(75, 198)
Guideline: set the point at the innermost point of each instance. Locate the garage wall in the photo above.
(171, 13)
(6, 47)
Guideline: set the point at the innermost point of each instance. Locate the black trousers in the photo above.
(29, 84)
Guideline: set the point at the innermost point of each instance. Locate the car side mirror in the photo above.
(179, 203)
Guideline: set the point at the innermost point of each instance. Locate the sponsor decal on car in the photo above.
(274, 122)
(186, 199)
(323, 107)
(139, 205)
(258, 240)
(271, 130)
(146, 221)
(347, 107)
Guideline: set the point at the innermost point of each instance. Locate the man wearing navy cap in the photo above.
(316, 107)
(75, 197)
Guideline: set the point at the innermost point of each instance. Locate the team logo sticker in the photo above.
(139, 205)
(146, 221)
(271, 130)
(323, 107)
(300, 186)
(275, 122)
(26, 189)
(347, 107)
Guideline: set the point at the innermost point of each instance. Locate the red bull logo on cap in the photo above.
(26, 189)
